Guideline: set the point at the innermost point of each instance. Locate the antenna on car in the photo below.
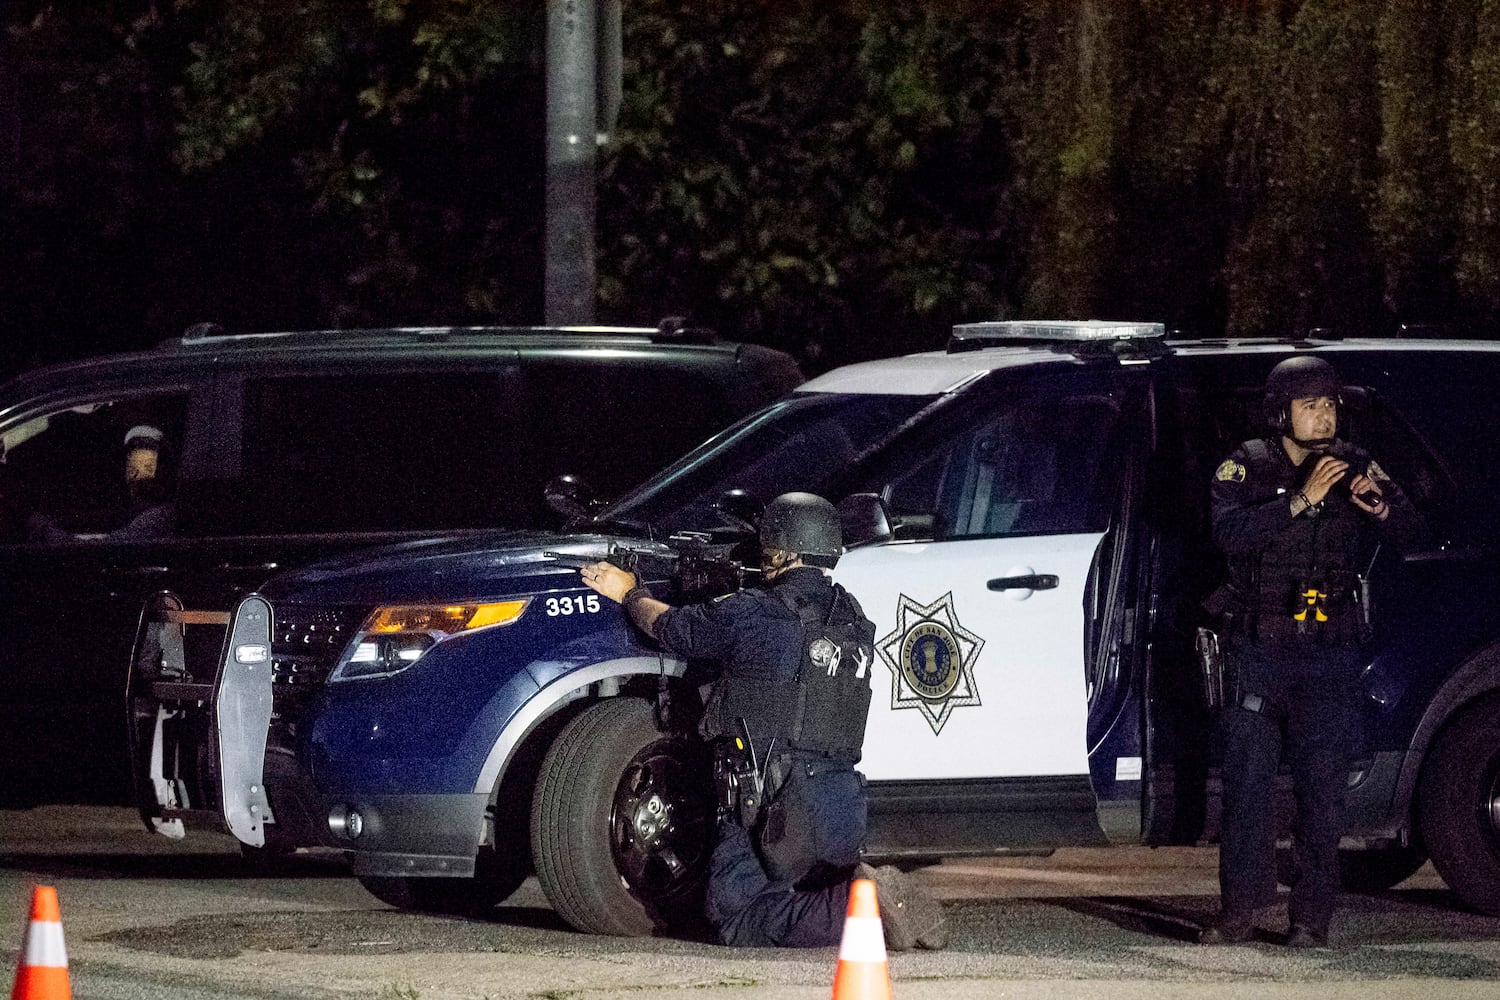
(203, 331)
(681, 330)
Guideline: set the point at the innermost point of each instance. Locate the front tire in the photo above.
(622, 822)
(1379, 869)
(1363, 871)
(1460, 805)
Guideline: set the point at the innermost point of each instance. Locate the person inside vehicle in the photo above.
(1298, 516)
(149, 512)
(787, 714)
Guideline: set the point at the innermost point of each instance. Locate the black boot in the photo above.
(909, 918)
(1230, 927)
(1303, 936)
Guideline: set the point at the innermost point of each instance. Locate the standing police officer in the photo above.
(1298, 517)
(788, 718)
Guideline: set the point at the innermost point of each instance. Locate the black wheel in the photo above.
(1380, 868)
(495, 878)
(1374, 870)
(1460, 805)
(622, 822)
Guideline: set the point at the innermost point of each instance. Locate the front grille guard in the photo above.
(198, 735)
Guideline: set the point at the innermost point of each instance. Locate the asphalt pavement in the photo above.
(145, 917)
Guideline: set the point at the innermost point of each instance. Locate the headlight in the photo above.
(396, 636)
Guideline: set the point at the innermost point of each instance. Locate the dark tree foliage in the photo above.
(266, 165)
(841, 178)
(828, 179)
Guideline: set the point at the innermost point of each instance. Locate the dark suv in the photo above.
(276, 449)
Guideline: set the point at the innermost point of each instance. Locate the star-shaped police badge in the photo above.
(931, 658)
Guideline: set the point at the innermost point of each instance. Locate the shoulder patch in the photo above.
(1230, 471)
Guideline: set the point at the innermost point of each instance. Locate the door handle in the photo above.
(138, 571)
(1032, 581)
(264, 567)
(124, 584)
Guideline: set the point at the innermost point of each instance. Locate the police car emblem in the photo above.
(931, 658)
(1230, 471)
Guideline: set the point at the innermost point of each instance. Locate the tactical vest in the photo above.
(823, 710)
(1320, 547)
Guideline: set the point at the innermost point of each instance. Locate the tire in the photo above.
(1459, 802)
(1379, 869)
(496, 878)
(622, 822)
(1362, 871)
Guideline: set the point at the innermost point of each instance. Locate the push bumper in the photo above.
(198, 728)
(198, 739)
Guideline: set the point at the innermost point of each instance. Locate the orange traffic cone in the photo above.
(862, 973)
(43, 971)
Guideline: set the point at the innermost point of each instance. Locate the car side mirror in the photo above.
(570, 495)
(864, 520)
(740, 509)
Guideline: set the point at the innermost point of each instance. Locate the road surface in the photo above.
(144, 917)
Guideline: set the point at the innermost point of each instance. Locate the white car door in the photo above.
(972, 680)
(978, 605)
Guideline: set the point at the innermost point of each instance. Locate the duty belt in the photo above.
(1316, 616)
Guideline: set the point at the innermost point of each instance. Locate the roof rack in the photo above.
(1082, 336)
(1429, 331)
(671, 330)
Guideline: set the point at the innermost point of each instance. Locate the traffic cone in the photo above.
(862, 973)
(42, 973)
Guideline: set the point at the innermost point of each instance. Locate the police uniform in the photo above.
(796, 660)
(1292, 632)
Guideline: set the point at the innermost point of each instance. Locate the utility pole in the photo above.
(571, 142)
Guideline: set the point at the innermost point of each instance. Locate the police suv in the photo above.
(1028, 528)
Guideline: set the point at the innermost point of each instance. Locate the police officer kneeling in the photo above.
(1298, 517)
(787, 717)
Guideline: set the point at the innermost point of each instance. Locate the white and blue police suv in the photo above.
(458, 713)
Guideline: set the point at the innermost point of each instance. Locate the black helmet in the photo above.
(1302, 377)
(805, 524)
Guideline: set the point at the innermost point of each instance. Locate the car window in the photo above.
(63, 474)
(376, 452)
(1035, 459)
(1435, 433)
(615, 423)
(806, 442)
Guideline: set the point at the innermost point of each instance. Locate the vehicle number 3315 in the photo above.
(584, 604)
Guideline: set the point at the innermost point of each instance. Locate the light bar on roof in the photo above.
(1074, 331)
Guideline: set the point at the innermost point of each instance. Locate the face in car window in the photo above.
(101, 470)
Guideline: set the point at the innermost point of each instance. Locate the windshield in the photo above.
(807, 442)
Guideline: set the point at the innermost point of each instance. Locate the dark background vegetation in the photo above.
(840, 178)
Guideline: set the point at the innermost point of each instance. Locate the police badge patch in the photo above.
(826, 655)
(931, 658)
(1230, 471)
